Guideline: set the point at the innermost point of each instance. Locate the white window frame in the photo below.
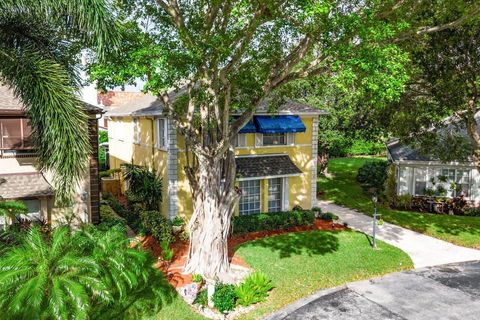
(256, 206)
(241, 140)
(435, 171)
(289, 140)
(279, 192)
(161, 136)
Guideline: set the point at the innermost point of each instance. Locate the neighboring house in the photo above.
(420, 175)
(276, 156)
(20, 178)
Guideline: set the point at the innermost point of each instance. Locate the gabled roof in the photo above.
(11, 105)
(24, 186)
(402, 152)
(150, 105)
(265, 166)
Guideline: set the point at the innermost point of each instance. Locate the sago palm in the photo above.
(39, 45)
(48, 279)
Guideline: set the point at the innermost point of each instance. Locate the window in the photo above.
(273, 139)
(33, 207)
(241, 140)
(15, 134)
(420, 177)
(250, 199)
(161, 133)
(275, 195)
(462, 183)
(136, 131)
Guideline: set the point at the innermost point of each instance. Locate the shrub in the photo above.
(272, 221)
(224, 297)
(297, 208)
(157, 225)
(474, 212)
(109, 218)
(184, 236)
(167, 252)
(391, 186)
(202, 298)
(254, 289)
(404, 201)
(328, 216)
(317, 209)
(372, 175)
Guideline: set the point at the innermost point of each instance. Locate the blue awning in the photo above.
(279, 124)
(248, 128)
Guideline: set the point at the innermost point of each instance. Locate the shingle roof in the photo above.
(10, 104)
(399, 151)
(150, 105)
(265, 166)
(24, 185)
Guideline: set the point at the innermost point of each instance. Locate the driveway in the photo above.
(443, 292)
(425, 251)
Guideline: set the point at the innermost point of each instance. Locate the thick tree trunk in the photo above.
(210, 224)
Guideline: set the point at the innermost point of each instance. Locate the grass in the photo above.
(343, 189)
(301, 263)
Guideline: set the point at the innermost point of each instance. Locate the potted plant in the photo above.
(177, 225)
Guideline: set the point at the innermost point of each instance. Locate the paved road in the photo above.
(443, 292)
(425, 251)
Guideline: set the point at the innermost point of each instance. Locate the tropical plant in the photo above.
(197, 278)
(167, 252)
(11, 209)
(254, 289)
(178, 222)
(202, 298)
(87, 275)
(39, 44)
(144, 186)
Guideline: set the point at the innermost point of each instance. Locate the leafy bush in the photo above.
(272, 221)
(145, 186)
(372, 175)
(109, 219)
(96, 274)
(157, 225)
(110, 172)
(328, 216)
(224, 297)
(202, 298)
(404, 201)
(254, 289)
(132, 217)
(184, 236)
(364, 147)
(167, 252)
(317, 209)
(390, 187)
(474, 212)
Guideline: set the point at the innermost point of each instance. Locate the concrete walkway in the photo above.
(443, 292)
(424, 250)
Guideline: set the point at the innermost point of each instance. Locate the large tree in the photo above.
(438, 112)
(39, 45)
(208, 59)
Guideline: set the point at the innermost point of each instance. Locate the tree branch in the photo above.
(177, 20)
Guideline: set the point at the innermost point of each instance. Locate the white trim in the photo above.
(314, 162)
(172, 170)
(271, 177)
(286, 194)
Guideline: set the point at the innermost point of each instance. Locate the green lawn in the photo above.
(302, 263)
(343, 189)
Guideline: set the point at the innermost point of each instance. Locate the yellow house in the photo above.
(276, 155)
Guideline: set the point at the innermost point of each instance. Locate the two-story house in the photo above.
(276, 155)
(20, 179)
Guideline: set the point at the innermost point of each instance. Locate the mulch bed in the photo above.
(174, 269)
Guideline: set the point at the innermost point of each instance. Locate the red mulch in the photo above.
(180, 249)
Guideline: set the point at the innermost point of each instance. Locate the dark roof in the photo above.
(11, 105)
(24, 185)
(399, 151)
(265, 166)
(150, 105)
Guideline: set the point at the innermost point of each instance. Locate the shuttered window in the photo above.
(15, 134)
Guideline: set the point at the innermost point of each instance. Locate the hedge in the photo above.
(272, 221)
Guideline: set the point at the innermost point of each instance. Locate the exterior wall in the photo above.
(122, 150)
(302, 188)
(405, 173)
(85, 208)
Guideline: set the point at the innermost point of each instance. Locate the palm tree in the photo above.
(39, 45)
(11, 209)
(45, 279)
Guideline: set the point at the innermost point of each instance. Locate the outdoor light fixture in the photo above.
(374, 200)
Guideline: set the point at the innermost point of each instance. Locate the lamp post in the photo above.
(374, 200)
